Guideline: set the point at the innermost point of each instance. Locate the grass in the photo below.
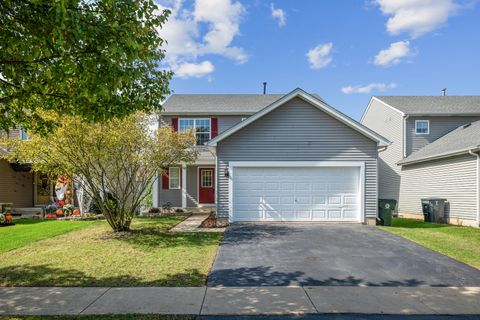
(103, 317)
(150, 255)
(26, 231)
(460, 243)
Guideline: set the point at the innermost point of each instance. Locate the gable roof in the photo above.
(433, 105)
(208, 104)
(314, 101)
(458, 141)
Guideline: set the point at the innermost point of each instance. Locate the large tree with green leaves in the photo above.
(94, 59)
(114, 161)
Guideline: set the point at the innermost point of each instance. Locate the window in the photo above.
(207, 179)
(422, 126)
(24, 135)
(174, 178)
(200, 127)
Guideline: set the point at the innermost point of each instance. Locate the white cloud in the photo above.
(416, 17)
(369, 87)
(207, 28)
(393, 54)
(320, 56)
(279, 15)
(194, 70)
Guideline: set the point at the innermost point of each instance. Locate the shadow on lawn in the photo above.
(265, 276)
(151, 237)
(46, 276)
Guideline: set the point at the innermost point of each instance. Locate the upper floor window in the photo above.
(24, 135)
(422, 126)
(200, 127)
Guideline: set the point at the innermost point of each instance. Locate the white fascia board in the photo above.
(313, 101)
(440, 156)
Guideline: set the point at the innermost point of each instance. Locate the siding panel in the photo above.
(388, 123)
(15, 187)
(297, 131)
(452, 178)
(439, 126)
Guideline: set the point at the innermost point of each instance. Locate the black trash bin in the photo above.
(385, 210)
(434, 210)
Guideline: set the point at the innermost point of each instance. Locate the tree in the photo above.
(93, 59)
(116, 161)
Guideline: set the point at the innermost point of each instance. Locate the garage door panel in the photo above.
(296, 194)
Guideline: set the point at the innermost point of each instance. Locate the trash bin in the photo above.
(434, 210)
(385, 210)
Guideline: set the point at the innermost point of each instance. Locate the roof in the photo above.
(433, 105)
(458, 141)
(207, 104)
(314, 100)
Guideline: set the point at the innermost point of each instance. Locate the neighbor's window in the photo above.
(174, 178)
(200, 127)
(24, 135)
(422, 126)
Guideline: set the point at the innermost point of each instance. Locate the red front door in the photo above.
(206, 185)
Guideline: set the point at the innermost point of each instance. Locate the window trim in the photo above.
(170, 178)
(23, 134)
(195, 127)
(428, 127)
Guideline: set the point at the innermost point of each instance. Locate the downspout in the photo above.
(478, 183)
(380, 149)
(404, 135)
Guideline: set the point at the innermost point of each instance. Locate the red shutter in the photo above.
(165, 181)
(175, 124)
(214, 127)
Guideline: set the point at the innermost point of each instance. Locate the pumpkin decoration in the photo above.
(76, 212)
(59, 212)
(8, 218)
(61, 203)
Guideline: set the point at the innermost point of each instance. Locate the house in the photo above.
(285, 157)
(434, 152)
(26, 191)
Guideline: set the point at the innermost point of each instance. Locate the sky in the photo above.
(345, 51)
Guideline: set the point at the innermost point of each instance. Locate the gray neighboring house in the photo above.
(282, 157)
(434, 152)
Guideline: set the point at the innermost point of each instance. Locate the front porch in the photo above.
(187, 186)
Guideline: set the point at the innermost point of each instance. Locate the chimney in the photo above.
(444, 92)
(264, 88)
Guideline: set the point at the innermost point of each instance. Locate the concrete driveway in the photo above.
(330, 255)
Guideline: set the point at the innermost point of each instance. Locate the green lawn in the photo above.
(26, 231)
(102, 317)
(460, 243)
(150, 255)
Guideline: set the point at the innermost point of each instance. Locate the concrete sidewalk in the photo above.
(241, 300)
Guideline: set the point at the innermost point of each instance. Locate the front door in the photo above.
(206, 183)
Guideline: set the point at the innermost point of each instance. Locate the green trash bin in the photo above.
(385, 210)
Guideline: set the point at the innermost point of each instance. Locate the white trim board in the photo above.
(381, 141)
(304, 164)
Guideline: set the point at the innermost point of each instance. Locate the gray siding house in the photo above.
(294, 159)
(434, 152)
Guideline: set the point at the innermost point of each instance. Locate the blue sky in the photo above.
(346, 51)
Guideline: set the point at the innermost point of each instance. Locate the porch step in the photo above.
(198, 210)
(26, 212)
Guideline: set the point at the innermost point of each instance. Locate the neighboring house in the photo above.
(434, 152)
(273, 158)
(18, 185)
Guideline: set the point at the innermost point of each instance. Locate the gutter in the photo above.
(478, 182)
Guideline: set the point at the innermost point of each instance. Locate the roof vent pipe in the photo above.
(444, 92)
(264, 88)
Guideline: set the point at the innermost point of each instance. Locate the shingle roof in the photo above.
(460, 140)
(218, 103)
(434, 105)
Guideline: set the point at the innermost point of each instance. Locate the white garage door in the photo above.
(296, 194)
